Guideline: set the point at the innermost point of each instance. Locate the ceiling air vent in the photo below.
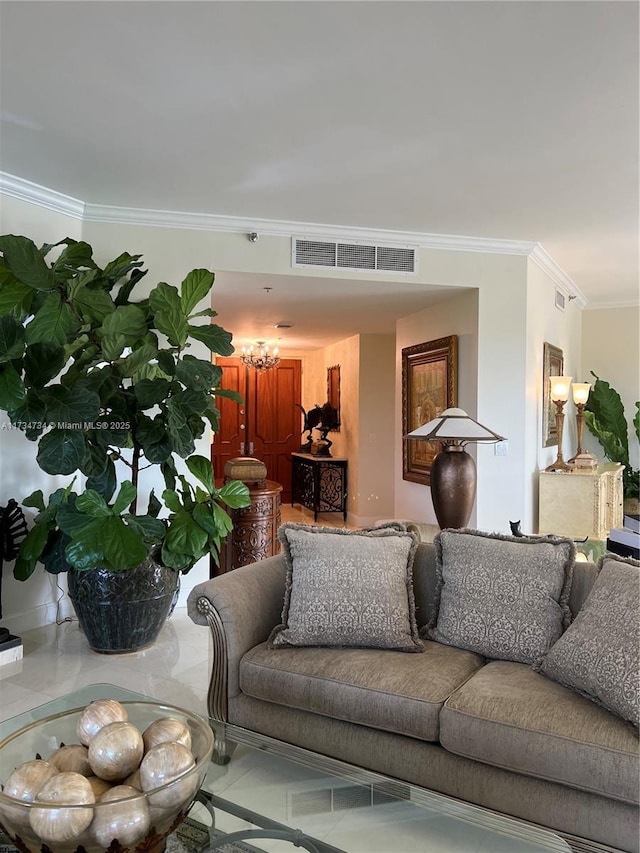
(353, 256)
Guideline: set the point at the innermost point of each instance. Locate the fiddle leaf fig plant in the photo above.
(605, 418)
(105, 383)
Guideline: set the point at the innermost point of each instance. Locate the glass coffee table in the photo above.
(274, 797)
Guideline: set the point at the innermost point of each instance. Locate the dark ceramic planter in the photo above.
(122, 612)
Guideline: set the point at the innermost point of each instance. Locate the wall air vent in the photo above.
(560, 302)
(329, 254)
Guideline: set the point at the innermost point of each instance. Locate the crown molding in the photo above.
(604, 306)
(42, 196)
(25, 190)
(543, 259)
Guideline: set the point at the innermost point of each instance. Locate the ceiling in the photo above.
(507, 120)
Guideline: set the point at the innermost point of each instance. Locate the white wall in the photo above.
(611, 349)
(563, 329)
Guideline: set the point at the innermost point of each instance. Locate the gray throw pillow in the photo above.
(504, 597)
(348, 588)
(599, 655)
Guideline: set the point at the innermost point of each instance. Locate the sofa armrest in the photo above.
(241, 609)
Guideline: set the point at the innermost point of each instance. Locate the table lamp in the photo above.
(559, 394)
(453, 471)
(580, 396)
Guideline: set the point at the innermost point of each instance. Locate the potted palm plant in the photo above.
(107, 388)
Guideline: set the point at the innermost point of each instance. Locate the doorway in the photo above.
(267, 425)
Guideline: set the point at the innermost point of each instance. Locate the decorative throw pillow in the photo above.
(599, 655)
(503, 597)
(348, 588)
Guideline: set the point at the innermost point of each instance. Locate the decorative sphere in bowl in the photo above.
(65, 811)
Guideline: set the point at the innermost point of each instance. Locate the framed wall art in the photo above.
(333, 390)
(429, 386)
(553, 365)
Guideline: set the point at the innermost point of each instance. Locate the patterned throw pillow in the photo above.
(348, 588)
(503, 597)
(599, 655)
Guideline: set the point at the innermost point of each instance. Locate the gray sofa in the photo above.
(490, 732)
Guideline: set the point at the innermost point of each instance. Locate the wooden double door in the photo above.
(267, 425)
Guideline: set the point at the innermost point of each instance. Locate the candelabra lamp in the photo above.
(559, 394)
(453, 471)
(580, 396)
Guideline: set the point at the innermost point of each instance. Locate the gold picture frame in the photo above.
(429, 386)
(553, 365)
(333, 390)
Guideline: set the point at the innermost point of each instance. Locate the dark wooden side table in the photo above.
(254, 535)
(319, 483)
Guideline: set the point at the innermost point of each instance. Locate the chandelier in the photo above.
(259, 357)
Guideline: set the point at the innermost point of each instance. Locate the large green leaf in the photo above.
(75, 256)
(106, 482)
(94, 305)
(35, 500)
(201, 468)
(150, 392)
(169, 314)
(138, 358)
(95, 460)
(215, 337)
(11, 339)
(166, 362)
(172, 500)
(61, 451)
(152, 530)
(93, 504)
(123, 265)
(23, 568)
(197, 373)
(42, 362)
(73, 522)
(113, 345)
(12, 393)
(77, 406)
(608, 423)
(34, 542)
(152, 436)
(87, 552)
(185, 536)
(15, 297)
(178, 430)
(194, 288)
(53, 323)
(128, 321)
(222, 519)
(30, 416)
(235, 494)
(54, 558)
(228, 394)
(126, 496)
(123, 547)
(26, 262)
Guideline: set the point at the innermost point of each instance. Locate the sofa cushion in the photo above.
(348, 588)
(509, 716)
(381, 689)
(504, 597)
(599, 655)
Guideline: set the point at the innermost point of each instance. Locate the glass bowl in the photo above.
(143, 821)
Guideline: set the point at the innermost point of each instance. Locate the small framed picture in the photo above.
(553, 365)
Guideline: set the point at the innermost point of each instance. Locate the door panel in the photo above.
(272, 422)
(228, 441)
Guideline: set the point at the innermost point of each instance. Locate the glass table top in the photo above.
(339, 808)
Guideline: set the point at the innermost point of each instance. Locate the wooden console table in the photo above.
(255, 527)
(319, 483)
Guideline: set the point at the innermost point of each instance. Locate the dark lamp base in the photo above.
(453, 486)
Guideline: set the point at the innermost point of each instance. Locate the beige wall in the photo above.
(611, 349)
(455, 316)
(366, 436)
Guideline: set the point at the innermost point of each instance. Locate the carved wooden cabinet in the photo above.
(254, 535)
(319, 483)
(582, 502)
